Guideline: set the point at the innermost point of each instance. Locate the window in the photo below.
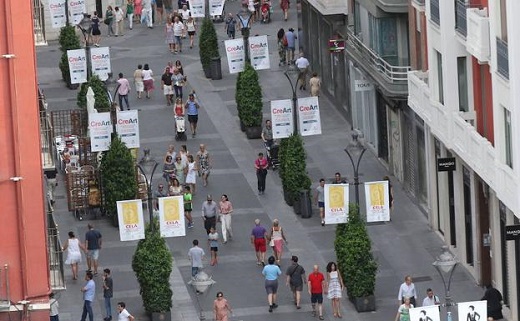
(463, 83)
(435, 11)
(439, 77)
(503, 20)
(357, 18)
(507, 139)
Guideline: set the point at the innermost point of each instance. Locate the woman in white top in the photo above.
(191, 176)
(73, 246)
(147, 74)
(191, 27)
(138, 80)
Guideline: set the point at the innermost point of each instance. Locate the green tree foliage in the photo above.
(293, 167)
(208, 43)
(248, 97)
(68, 40)
(102, 104)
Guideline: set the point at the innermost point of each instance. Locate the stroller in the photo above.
(266, 11)
(272, 155)
(180, 129)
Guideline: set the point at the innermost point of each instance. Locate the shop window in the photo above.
(462, 72)
(507, 138)
(440, 80)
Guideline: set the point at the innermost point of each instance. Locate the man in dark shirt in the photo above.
(166, 86)
(230, 26)
(295, 276)
(93, 245)
(108, 293)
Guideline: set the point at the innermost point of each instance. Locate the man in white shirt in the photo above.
(178, 32)
(196, 255)
(185, 13)
(124, 315)
(430, 299)
(122, 90)
(303, 64)
(147, 13)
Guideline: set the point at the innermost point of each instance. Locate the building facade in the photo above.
(463, 88)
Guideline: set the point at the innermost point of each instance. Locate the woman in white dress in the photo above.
(335, 287)
(191, 176)
(73, 246)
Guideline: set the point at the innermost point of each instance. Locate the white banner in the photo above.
(57, 11)
(128, 128)
(427, 313)
(378, 202)
(131, 222)
(336, 203)
(475, 310)
(171, 216)
(259, 52)
(216, 7)
(198, 8)
(100, 127)
(77, 66)
(282, 118)
(309, 116)
(76, 10)
(100, 58)
(236, 55)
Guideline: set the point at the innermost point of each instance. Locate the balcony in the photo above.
(55, 254)
(460, 17)
(477, 40)
(330, 7)
(393, 80)
(435, 15)
(502, 58)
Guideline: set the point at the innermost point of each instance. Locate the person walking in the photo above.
(178, 33)
(138, 10)
(188, 206)
(89, 291)
(213, 245)
(221, 308)
(209, 213)
(403, 313)
(180, 169)
(303, 65)
(271, 272)
(108, 293)
(54, 308)
(315, 83)
(316, 284)
(192, 110)
(191, 27)
(196, 256)
(123, 89)
(290, 46)
(138, 81)
(168, 32)
(261, 166)
(430, 299)
(166, 85)
(277, 239)
(282, 44)
(319, 199)
(295, 276)
(284, 5)
(119, 16)
(191, 175)
(494, 303)
(335, 287)
(124, 315)
(146, 14)
(338, 179)
(204, 161)
(225, 210)
(407, 289)
(147, 74)
(267, 134)
(230, 26)
(130, 13)
(258, 239)
(179, 81)
(96, 31)
(109, 20)
(73, 246)
(390, 192)
(159, 11)
(93, 240)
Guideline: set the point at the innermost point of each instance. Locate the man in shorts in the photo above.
(295, 276)
(192, 110)
(319, 198)
(196, 255)
(316, 283)
(258, 239)
(93, 245)
(166, 85)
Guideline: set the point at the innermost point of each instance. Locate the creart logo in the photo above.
(258, 45)
(76, 59)
(309, 108)
(100, 123)
(76, 3)
(282, 111)
(127, 121)
(237, 48)
(102, 56)
(56, 5)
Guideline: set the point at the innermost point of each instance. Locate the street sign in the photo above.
(336, 45)
(513, 232)
(446, 164)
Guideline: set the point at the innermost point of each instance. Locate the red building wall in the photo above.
(23, 248)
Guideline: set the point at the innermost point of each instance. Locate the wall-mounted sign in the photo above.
(363, 85)
(336, 45)
(513, 232)
(446, 164)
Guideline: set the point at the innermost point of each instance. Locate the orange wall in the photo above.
(23, 227)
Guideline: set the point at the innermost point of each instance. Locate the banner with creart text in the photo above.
(197, 8)
(472, 311)
(57, 12)
(77, 66)
(216, 7)
(236, 55)
(76, 10)
(100, 129)
(100, 58)
(427, 313)
(336, 203)
(259, 52)
(171, 216)
(128, 128)
(377, 201)
(282, 118)
(131, 222)
(309, 116)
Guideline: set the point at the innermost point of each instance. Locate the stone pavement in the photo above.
(406, 245)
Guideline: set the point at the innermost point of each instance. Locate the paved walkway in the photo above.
(406, 245)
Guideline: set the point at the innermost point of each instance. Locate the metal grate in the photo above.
(56, 265)
(69, 122)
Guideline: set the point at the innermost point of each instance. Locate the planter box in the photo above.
(288, 200)
(297, 207)
(161, 316)
(242, 126)
(254, 132)
(207, 72)
(364, 304)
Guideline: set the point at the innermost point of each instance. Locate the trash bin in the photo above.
(216, 68)
(305, 204)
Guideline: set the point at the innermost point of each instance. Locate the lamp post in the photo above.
(355, 151)
(244, 16)
(85, 25)
(445, 265)
(147, 166)
(291, 71)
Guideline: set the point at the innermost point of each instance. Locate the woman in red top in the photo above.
(261, 172)
(178, 108)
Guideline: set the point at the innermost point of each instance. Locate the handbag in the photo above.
(106, 21)
(271, 243)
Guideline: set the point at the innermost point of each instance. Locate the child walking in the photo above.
(213, 245)
(188, 206)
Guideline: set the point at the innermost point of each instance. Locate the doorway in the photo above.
(484, 246)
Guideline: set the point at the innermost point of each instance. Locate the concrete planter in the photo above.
(364, 304)
(161, 316)
(254, 132)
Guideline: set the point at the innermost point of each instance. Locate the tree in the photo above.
(293, 168)
(68, 40)
(208, 43)
(248, 97)
(102, 104)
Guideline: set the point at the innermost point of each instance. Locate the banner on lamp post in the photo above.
(216, 7)
(128, 128)
(77, 66)
(171, 216)
(259, 52)
(425, 313)
(282, 118)
(100, 58)
(336, 203)
(377, 201)
(309, 116)
(131, 222)
(58, 13)
(474, 310)
(197, 8)
(76, 10)
(236, 55)
(100, 128)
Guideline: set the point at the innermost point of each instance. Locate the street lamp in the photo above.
(244, 16)
(85, 25)
(355, 151)
(147, 166)
(445, 265)
(290, 72)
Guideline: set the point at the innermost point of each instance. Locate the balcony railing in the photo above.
(435, 12)
(460, 17)
(393, 74)
(56, 266)
(502, 58)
